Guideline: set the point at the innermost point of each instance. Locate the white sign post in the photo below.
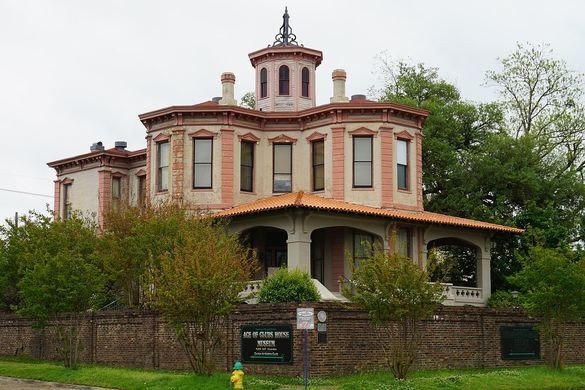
(305, 321)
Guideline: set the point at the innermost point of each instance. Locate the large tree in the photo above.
(197, 282)
(397, 294)
(59, 278)
(476, 165)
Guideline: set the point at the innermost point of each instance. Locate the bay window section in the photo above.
(247, 166)
(162, 178)
(282, 168)
(202, 162)
(318, 161)
(362, 162)
(402, 164)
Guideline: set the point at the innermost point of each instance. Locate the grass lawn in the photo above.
(572, 377)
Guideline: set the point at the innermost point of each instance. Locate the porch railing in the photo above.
(457, 294)
(252, 287)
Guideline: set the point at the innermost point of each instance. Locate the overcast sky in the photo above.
(76, 72)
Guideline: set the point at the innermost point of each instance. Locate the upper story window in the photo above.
(202, 162)
(67, 201)
(402, 164)
(263, 83)
(362, 161)
(283, 80)
(163, 157)
(282, 168)
(247, 166)
(116, 192)
(318, 161)
(305, 82)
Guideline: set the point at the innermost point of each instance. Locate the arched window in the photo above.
(263, 83)
(305, 82)
(283, 80)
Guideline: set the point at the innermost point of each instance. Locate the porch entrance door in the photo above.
(274, 258)
(318, 257)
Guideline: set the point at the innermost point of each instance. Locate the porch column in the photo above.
(299, 252)
(484, 280)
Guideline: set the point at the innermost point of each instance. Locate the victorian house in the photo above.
(307, 186)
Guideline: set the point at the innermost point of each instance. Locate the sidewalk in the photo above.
(29, 384)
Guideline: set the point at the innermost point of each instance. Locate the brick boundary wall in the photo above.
(456, 337)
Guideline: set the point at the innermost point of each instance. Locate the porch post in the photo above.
(484, 280)
(299, 253)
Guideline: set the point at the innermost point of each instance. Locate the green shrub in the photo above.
(503, 299)
(288, 286)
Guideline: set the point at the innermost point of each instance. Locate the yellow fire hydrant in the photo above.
(237, 378)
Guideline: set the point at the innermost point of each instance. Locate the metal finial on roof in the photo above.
(285, 36)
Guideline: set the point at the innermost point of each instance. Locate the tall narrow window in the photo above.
(282, 173)
(202, 162)
(403, 246)
(263, 83)
(116, 192)
(362, 161)
(66, 201)
(402, 164)
(318, 157)
(305, 82)
(162, 178)
(141, 190)
(247, 166)
(362, 246)
(283, 80)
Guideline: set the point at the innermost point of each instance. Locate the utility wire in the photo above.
(25, 192)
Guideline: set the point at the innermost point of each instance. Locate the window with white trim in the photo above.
(402, 164)
(163, 158)
(362, 161)
(282, 168)
(202, 162)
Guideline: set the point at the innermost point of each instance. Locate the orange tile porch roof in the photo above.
(309, 201)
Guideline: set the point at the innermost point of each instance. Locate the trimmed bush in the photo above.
(288, 286)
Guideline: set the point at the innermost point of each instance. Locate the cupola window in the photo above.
(305, 82)
(283, 80)
(263, 83)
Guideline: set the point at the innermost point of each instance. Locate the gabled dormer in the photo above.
(285, 72)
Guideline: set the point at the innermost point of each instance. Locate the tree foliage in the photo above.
(59, 277)
(397, 293)
(132, 236)
(198, 282)
(288, 286)
(248, 100)
(477, 164)
(553, 286)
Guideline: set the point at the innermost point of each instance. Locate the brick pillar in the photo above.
(419, 172)
(337, 163)
(177, 164)
(57, 200)
(387, 170)
(104, 194)
(227, 167)
(334, 236)
(148, 168)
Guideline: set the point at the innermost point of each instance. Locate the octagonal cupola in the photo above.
(285, 72)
